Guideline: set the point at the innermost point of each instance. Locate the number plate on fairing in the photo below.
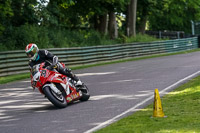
(73, 96)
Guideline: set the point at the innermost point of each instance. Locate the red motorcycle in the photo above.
(59, 89)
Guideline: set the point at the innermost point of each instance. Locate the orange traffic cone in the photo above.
(157, 107)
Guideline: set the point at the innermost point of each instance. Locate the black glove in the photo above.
(51, 67)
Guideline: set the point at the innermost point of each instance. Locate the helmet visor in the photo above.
(30, 54)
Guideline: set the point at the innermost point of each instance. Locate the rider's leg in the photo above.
(68, 73)
(73, 76)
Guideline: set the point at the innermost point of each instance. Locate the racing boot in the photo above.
(77, 81)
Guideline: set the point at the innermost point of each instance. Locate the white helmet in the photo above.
(32, 51)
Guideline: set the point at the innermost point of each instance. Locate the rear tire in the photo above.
(57, 100)
(85, 93)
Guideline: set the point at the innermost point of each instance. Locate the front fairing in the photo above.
(39, 76)
(57, 78)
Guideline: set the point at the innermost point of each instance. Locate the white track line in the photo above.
(108, 122)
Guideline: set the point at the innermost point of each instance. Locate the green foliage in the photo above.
(21, 36)
(80, 11)
(57, 39)
(141, 38)
(174, 15)
(93, 38)
(69, 23)
(78, 38)
(6, 13)
(23, 12)
(46, 37)
(144, 10)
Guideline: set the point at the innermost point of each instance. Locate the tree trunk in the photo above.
(95, 19)
(143, 24)
(132, 10)
(103, 24)
(128, 21)
(112, 26)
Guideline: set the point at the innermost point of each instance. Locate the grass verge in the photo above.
(16, 77)
(181, 106)
(8, 79)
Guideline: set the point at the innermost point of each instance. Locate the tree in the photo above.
(131, 18)
(23, 12)
(98, 15)
(174, 15)
(144, 9)
(6, 13)
(112, 26)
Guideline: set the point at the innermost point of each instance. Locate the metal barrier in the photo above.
(15, 62)
(166, 34)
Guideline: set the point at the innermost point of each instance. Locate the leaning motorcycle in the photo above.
(59, 89)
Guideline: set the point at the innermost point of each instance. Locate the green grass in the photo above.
(181, 106)
(142, 38)
(11, 78)
(8, 79)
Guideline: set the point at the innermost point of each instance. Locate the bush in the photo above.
(25, 34)
(20, 36)
(45, 37)
(57, 38)
(141, 38)
(92, 38)
(3, 47)
(43, 40)
(74, 38)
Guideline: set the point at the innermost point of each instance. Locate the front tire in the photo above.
(57, 100)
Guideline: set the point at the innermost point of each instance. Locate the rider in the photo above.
(38, 56)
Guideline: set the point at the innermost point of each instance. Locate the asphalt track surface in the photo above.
(114, 89)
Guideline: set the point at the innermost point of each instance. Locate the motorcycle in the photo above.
(59, 89)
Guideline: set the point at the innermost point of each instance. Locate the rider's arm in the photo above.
(51, 57)
(31, 70)
(30, 65)
(55, 60)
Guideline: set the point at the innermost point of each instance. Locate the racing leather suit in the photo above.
(44, 55)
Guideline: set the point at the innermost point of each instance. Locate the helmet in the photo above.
(32, 51)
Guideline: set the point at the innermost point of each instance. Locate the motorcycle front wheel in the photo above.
(57, 100)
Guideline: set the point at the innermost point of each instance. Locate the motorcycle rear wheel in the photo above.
(58, 101)
(85, 93)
